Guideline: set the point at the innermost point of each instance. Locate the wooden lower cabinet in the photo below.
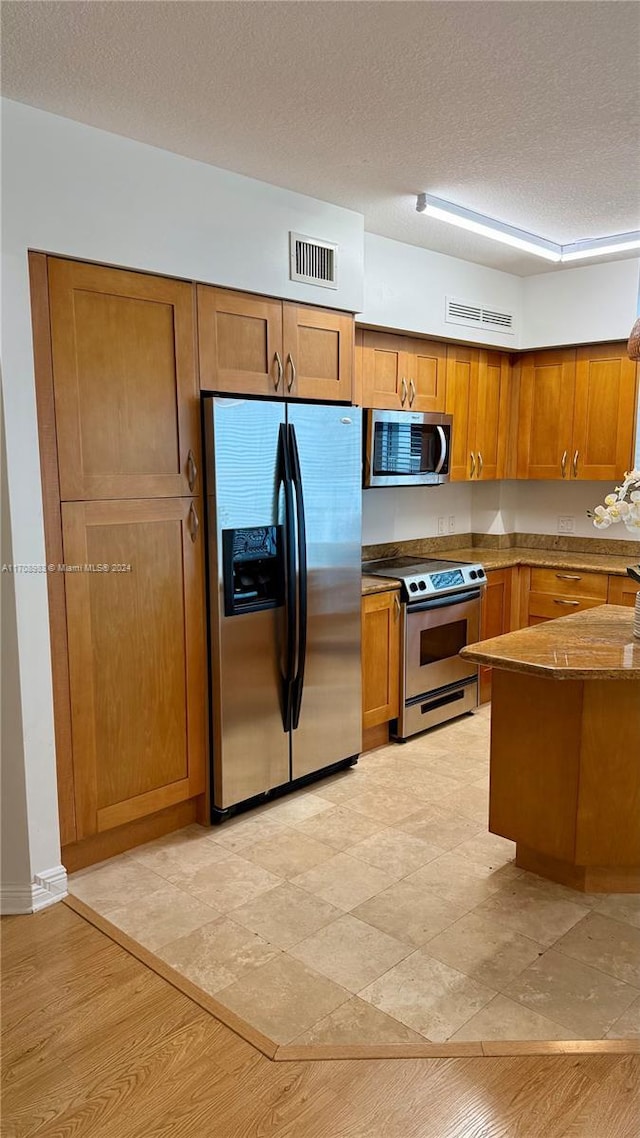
(622, 591)
(380, 658)
(136, 637)
(495, 617)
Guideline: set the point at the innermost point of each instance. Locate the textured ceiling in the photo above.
(525, 111)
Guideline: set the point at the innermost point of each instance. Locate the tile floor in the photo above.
(375, 907)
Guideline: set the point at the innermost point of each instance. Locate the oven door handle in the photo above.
(443, 449)
(444, 602)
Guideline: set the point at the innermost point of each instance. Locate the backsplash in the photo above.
(430, 546)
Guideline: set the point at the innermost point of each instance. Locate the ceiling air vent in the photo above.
(477, 316)
(312, 261)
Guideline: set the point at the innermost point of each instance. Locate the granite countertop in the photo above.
(609, 563)
(371, 584)
(595, 644)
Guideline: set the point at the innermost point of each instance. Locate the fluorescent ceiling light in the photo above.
(520, 238)
(600, 246)
(487, 227)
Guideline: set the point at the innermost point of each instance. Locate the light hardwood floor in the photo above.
(94, 1044)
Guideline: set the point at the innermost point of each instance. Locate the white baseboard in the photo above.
(45, 889)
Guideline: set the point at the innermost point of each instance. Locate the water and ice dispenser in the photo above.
(253, 568)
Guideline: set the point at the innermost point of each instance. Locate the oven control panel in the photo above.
(451, 579)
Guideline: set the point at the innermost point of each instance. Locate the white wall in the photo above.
(71, 189)
(582, 305)
(400, 514)
(392, 513)
(406, 287)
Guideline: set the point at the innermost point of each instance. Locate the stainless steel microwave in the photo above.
(406, 448)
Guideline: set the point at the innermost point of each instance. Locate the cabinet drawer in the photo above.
(545, 606)
(570, 583)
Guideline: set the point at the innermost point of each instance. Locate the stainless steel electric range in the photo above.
(439, 614)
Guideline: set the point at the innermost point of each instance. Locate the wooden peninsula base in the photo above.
(565, 778)
(565, 748)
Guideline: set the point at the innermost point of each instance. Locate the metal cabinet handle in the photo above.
(563, 464)
(403, 391)
(480, 464)
(473, 464)
(280, 372)
(568, 577)
(292, 377)
(194, 524)
(397, 605)
(192, 470)
(412, 389)
(575, 464)
(562, 601)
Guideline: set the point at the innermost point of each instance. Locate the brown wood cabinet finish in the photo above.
(260, 346)
(240, 342)
(558, 592)
(136, 657)
(380, 658)
(604, 412)
(577, 413)
(478, 399)
(402, 373)
(622, 591)
(495, 618)
(124, 377)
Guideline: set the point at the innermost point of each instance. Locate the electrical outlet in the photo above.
(452, 523)
(441, 527)
(566, 524)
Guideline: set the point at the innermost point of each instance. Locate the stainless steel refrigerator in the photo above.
(283, 486)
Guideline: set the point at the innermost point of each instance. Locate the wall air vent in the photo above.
(313, 261)
(478, 316)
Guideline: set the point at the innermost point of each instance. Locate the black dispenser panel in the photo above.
(253, 567)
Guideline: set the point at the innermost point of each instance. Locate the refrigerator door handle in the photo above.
(298, 682)
(285, 478)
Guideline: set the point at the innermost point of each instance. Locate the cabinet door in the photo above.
(495, 617)
(622, 591)
(240, 342)
(426, 365)
(380, 658)
(462, 388)
(318, 353)
(385, 365)
(491, 415)
(124, 375)
(604, 416)
(136, 657)
(545, 430)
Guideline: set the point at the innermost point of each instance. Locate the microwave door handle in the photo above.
(443, 450)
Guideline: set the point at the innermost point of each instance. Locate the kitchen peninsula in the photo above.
(565, 747)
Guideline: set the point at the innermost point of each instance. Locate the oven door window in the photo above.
(443, 642)
(405, 448)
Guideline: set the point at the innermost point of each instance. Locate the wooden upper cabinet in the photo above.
(545, 426)
(604, 413)
(136, 657)
(402, 372)
(478, 391)
(318, 353)
(491, 415)
(384, 367)
(426, 375)
(240, 342)
(125, 386)
(577, 413)
(462, 391)
(261, 346)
